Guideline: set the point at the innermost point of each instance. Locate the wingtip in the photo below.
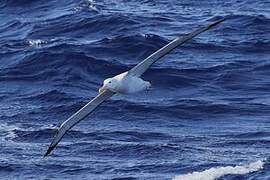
(48, 151)
(221, 20)
(217, 22)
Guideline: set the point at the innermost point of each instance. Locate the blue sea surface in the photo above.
(209, 106)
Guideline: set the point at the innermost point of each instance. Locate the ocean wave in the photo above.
(75, 24)
(49, 96)
(167, 75)
(138, 46)
(214, 173)
(248, 135)
(123, 149)
(30, 135)
(249, 18)
(71, 66)
(17, 3)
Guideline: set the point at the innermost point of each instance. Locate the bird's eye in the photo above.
(110, 82)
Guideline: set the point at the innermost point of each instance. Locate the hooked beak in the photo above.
(102, 89)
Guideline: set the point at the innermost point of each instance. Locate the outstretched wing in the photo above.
(78, 116)
(140, 68)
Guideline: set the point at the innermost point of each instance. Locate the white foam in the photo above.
(86, 5)
(7, 131)
(36, 42)
(214, 173)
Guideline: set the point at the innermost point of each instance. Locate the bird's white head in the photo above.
(110, 84)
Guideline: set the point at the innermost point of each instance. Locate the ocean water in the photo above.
(207, 116)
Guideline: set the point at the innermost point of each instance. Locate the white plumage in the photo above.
(125, 84)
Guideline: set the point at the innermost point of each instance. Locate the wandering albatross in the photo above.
(125, 83)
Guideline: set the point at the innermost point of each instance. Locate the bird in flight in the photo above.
(125, 83)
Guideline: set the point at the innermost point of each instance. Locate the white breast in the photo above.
(130, 84)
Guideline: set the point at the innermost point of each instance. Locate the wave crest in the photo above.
(214, 173)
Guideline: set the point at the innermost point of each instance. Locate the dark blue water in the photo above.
(209, 106)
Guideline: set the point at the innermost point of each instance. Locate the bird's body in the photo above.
(125, 83)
